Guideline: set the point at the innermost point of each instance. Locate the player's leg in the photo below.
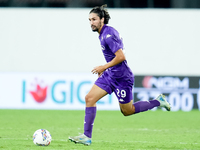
(127, 108)
(91, 98)
(141, 106)
(95, 94)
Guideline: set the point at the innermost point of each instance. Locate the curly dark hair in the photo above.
(102, 12)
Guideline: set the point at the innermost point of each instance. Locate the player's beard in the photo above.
(96, 29)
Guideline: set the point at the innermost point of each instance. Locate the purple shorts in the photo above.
(123, 88)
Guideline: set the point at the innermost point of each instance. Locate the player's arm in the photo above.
(119, 57)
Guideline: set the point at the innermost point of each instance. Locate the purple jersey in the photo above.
(119, 78)
(111, 43)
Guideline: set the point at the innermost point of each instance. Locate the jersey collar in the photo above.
(104, 26)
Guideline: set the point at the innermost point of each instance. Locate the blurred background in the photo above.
(47, 50)
(111, 3)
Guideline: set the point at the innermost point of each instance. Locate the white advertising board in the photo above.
(49, 91)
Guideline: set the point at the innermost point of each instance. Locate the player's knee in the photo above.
(88, 99)
(125, 112)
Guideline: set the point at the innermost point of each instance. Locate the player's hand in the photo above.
(98, 70)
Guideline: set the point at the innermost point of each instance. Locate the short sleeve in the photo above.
(114, 41)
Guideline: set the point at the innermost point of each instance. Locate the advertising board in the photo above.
(68, 90)
(49, 91)
(183, 93)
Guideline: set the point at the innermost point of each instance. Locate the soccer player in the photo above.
(115, 76)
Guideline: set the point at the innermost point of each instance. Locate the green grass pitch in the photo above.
(154, 130)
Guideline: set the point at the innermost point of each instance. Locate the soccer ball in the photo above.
(42, 137)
